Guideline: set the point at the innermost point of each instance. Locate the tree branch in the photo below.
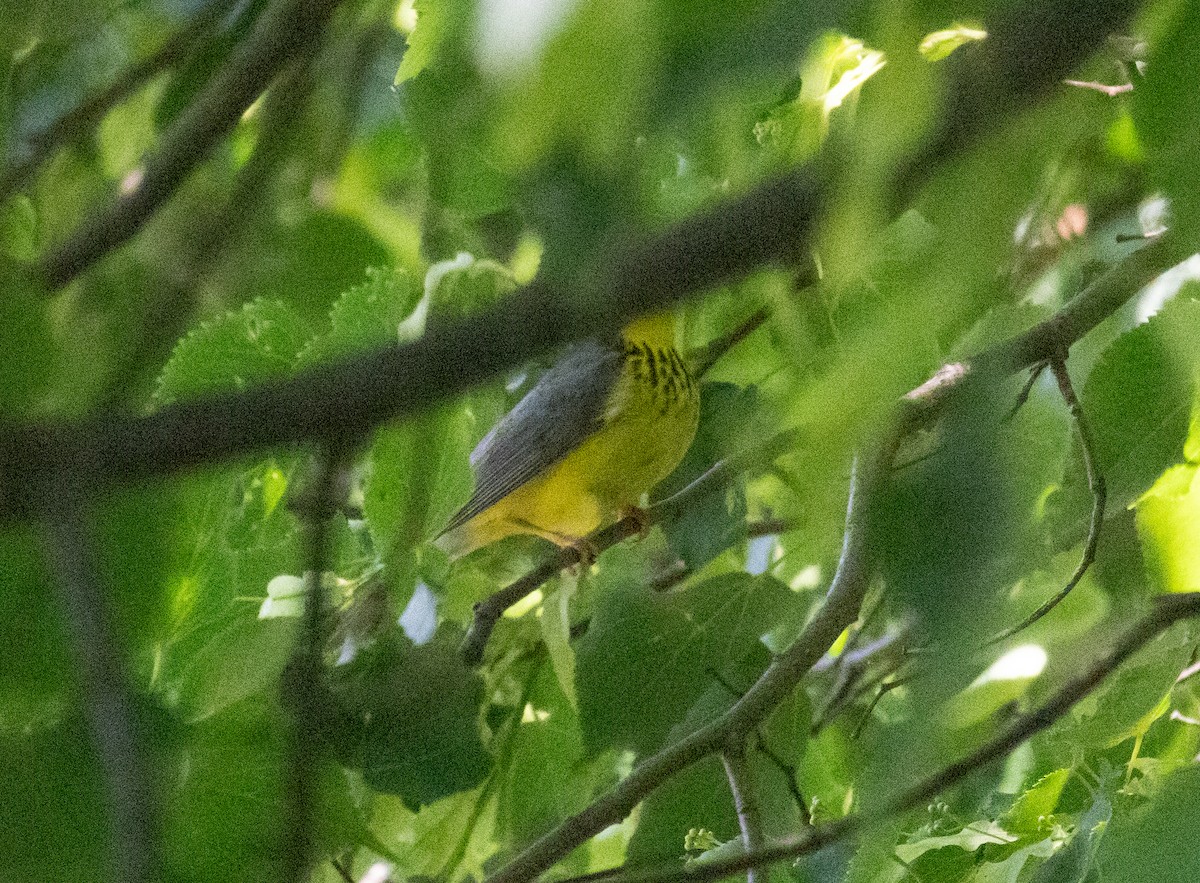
(1167, 610)
(108, 700)
(1095, 480)
(286, 29)
(772, 222)
(844, 598)
(304, 683)
(74, 123)
(741, 786)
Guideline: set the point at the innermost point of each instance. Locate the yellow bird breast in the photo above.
(644, 423)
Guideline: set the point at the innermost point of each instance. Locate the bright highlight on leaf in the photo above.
(939, 44)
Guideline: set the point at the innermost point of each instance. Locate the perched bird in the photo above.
(601, 427)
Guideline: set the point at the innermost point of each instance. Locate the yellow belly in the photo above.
(648, 429)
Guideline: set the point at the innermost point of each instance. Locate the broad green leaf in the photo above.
(465, 285)
(234, 351)
(1168, 520)
(1028, 816)
(366, 316)
(437, 21)
(411, 720)
(449, 839)
(544, 774)
(1139, 399)
(646, 658)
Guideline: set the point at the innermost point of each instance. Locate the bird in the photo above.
(609, 420)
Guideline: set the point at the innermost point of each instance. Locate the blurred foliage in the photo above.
(429, 158)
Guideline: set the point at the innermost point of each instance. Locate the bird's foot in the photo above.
(640, 518)
(587, 552)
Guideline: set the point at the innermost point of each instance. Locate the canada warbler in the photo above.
(601, 427)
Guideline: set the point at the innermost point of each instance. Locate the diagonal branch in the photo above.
(1167, 611)
(107, 697)
(771, 223)
(77, 121)
(285, 30)
(844, 599)
(488, 612)
(741, 786)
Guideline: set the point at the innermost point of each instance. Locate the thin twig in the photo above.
(707, 356)
(1026, 389)
(84, 116)
(852, 666)
(286, 29)
(882, 691)
(1104, 88)
(488, 612)
(745, 801)
(304, 687)
(1099, 493)
(107, 697)
(1167, 610)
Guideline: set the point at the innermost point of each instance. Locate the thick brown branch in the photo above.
(287, 29)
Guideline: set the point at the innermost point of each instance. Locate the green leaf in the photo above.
(438, 21)
(646, 657)
(1075, 861)
(466, 285)
(1130, 699)
(556, 631)
(27, 341)
(234, 351)
(1028, 816)
(1139, 399)
(940, 44)
(1156, 841)
(544, 774)
(365, 317)
(1168, 522)
(412, 717)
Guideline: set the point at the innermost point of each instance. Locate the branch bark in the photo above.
(741, 786)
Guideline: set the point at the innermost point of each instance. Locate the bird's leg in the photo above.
(640, 517)
(584, 547)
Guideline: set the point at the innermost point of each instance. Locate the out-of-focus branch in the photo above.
(83, 117)
(771, 223)
(286, 29)
(304, 682)
(707, 356)
(106, 694)
(1166, 612)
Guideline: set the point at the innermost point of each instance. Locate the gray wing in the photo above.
(527, 440)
